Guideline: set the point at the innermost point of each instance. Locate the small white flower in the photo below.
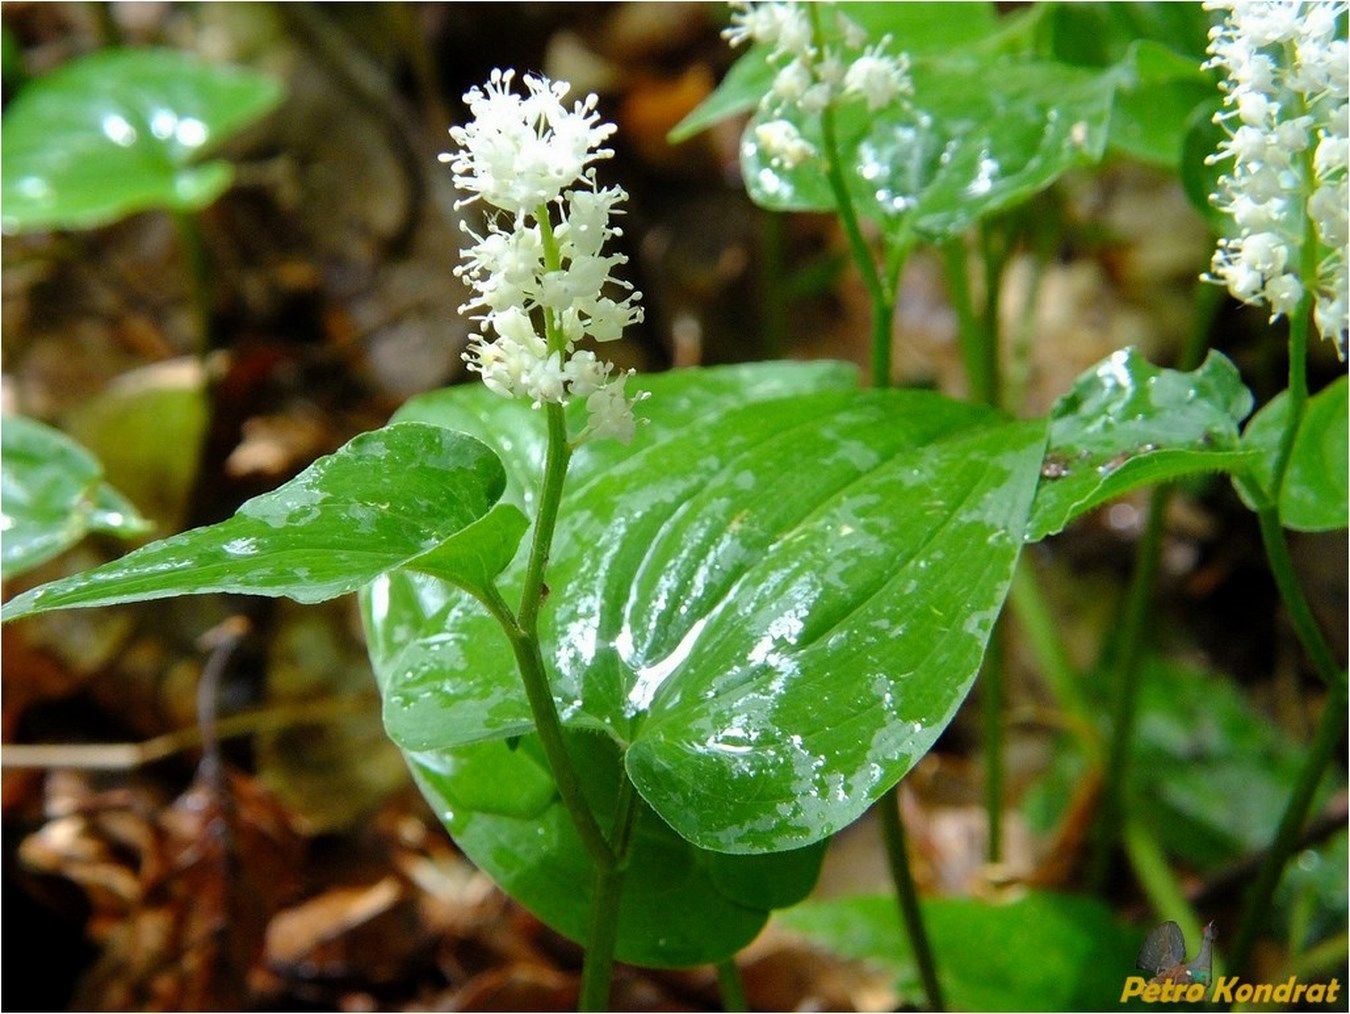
(783, 26)
(610, 410)
(792, 82)
(781, 141)
(877, 78)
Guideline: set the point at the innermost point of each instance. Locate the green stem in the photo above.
(772, 290)
(198, 275)
(110, 34)
(978, 338)
(1295, 603)
(879, 292)
(994, 262)
(556, 459)
(544, 710)
(1037, 621)
(1125, 697)
(969, 334)
(598, 970)
(907, 896)
(1257, 904)
(1155, 876)
(522, 628)
(991, 689)
(731, 987)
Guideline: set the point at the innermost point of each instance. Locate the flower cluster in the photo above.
(541, 280)
(1285, 117)
(814, 70)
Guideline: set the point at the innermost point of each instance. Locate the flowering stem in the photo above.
(597, 971)
(530, 661)
(879, 291)
(907, 896)
(1124, 702)
(199, 276)
(731, 987)
(550, 495)
(978, 338)
(1041, 627)
(1332, 723)
(1155, 876)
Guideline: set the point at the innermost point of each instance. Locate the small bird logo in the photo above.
(1163, 956)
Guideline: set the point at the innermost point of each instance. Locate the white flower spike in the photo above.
(1285, 115)
(540, 278)
(813, 75)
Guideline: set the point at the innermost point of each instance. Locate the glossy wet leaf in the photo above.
(53, 494)
(920, 28)
(1127, 423)
(121, 131)
(1314, 495)
(475, 556)
(960, 153)
(681, 905)
(777, 601)
(1043, 951)
(383, 499)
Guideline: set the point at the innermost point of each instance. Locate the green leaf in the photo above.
(1043, 951)
(1156, 102)
(919, 28)
(475, 556)
(1127, 423)
(681, 905)
(777, 601)
(1199, 177)
(1314, 495)
(748, 80)
(380, 501)
(1214, 772)
(147, 427)
(959, 154)
(121, 131)
(53, 494)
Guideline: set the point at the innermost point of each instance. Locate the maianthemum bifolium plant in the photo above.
(647, 644)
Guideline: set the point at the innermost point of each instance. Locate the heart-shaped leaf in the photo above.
(121, 131)
(777, 609)
(1041, 952)
(382, 500)
(680, 906)
(1127, 423)
(1314, 495)
(960, 153)
(53, 494)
